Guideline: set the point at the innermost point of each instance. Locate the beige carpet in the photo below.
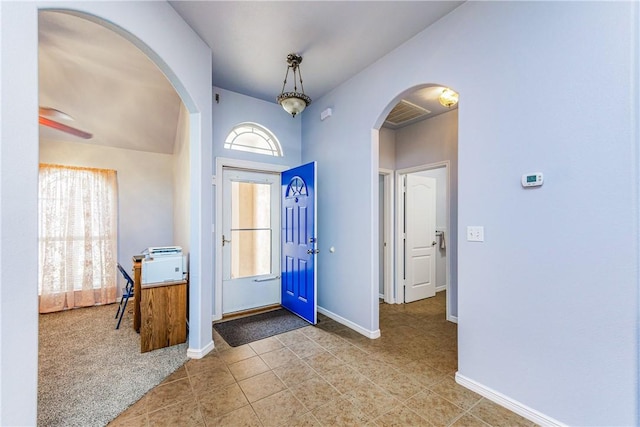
(89, 372)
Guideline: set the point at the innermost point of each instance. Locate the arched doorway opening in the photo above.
(92, 78)
(125, 92)
(416, 135)
(182, 56)
(190, 76)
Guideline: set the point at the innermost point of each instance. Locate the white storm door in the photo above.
(250, 240)
(420, 229)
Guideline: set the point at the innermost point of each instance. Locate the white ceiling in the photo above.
(116, 93)
(250, 40)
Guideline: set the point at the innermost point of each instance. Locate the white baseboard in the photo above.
(215, 317)
(441, 288)
(381, 296)
(201, 352)
(453, 319)
(367, 333)
(507, 402)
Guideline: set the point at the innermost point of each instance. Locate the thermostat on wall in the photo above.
(532, 179)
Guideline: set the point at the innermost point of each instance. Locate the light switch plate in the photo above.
(475, 233)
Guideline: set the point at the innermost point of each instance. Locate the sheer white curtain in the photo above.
(77, 237)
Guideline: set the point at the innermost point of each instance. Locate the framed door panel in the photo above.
(250, 240)
(420, 229)
(299, 231)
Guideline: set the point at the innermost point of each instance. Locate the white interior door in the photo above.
(250, 240)
(420, 232)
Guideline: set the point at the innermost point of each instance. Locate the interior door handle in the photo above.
(313, 251)
(433, 243)
(224, 240)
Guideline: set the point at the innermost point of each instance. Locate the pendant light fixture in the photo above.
(448, 98)
(293, 102)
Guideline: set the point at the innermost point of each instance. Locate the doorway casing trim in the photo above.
(222, 162)
(389, 253)
(399, 266)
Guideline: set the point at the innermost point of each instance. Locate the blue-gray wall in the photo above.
(234, 108)
(548, 304)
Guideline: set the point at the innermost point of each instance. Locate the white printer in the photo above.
(163, 264)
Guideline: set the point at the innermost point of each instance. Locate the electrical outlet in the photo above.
(475, 233)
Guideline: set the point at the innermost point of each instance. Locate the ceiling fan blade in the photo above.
(53, 113)
(64, 128)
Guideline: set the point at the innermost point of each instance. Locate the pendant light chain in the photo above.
(286, 75)
(300, 74)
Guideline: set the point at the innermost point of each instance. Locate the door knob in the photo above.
(433, 243)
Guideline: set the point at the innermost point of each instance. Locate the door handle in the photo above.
(224, 240)
(313, 251)
(266, 279)
(433, 243)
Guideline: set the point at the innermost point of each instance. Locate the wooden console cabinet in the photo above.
(163, 315)
(160, 312)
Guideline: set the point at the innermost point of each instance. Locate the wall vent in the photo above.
(404, 112)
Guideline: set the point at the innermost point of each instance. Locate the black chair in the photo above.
(127, 292)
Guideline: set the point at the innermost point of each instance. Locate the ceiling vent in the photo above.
(405, 112)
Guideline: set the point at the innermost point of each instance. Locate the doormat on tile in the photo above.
(258, 326)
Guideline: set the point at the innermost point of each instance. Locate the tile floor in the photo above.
(328, 375)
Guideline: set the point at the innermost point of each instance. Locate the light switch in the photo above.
(475, 233)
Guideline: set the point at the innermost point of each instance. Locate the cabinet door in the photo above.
(164, 312)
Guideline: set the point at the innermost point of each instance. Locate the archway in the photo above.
(196, 109)
(423, 138)
(185, 59)
(192, 140)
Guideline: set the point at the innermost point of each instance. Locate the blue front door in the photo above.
(299, 241)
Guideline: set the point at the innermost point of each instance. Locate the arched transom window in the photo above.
(253, 138)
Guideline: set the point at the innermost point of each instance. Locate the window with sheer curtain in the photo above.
(77, 210)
